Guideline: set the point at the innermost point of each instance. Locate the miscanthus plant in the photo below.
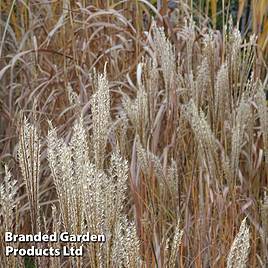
(8, 217)
(93, 199)
(91, 191)
(165, 160)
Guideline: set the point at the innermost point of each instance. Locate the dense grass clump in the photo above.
(120, 118)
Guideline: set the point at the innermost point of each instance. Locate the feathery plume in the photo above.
(242, 116)
(8, 211)
(165, 54)
(239, 251)
(100, 117)
(29, 161)
(175, 245)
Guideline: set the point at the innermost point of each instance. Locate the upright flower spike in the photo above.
(100, 117)
(29, 161)
(239, 251)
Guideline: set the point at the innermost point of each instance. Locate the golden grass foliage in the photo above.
(113, 121)
(259, 11)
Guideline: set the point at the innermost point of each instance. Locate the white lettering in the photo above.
(9, 250)
(8, 237)
(64, 237)
(72, 251)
